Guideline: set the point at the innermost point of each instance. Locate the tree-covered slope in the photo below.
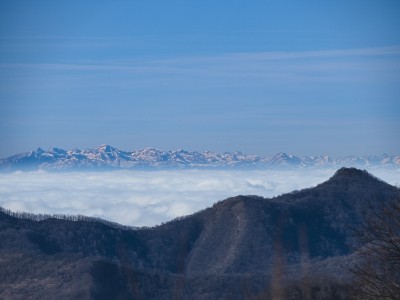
(289, 246)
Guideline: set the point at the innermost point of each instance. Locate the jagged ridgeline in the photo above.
(299, 245)
(110, 158)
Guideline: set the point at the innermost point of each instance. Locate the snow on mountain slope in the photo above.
(108, 157)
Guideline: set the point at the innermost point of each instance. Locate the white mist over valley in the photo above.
(148, 198)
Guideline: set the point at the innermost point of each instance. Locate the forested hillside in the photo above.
(300, 245)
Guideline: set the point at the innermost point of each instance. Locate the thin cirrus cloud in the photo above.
(148, 198)
(314, 66)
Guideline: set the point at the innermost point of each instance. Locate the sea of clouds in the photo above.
(147, 198)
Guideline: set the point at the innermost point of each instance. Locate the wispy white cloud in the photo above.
(146, 198)
(276, 66)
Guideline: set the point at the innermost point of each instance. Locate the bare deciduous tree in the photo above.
(378, 272)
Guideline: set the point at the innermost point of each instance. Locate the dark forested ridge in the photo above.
(295, 246)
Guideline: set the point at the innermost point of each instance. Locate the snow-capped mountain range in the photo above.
(107, 157)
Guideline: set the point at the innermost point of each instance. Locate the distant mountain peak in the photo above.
(39, 150)
(281, 154)
(105, 147)
(55, 149)
(106, 156)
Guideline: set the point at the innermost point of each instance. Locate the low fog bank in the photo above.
(147, 198)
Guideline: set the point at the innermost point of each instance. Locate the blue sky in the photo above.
(305, 77)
